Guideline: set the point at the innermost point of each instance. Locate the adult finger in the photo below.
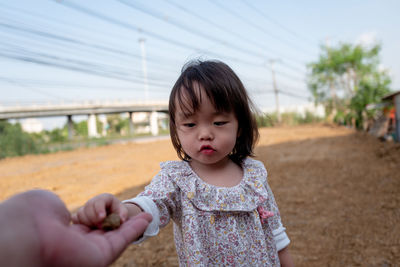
(123, 212)
(74, 218)
(129, 231)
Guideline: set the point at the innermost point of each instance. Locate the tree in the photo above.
(57, 135)
(346, 79)
(370, 90)
(14, 141)
(117, 124)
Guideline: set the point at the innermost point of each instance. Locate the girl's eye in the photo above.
(189, 125)
(220, 123)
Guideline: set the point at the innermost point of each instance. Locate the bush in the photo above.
(267, 120)
(57, 135)
(287, 118)
(14, 141)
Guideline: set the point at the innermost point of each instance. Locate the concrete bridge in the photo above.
(88, 108)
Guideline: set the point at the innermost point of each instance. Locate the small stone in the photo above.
(111, 222)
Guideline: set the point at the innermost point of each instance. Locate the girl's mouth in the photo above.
(207, 150)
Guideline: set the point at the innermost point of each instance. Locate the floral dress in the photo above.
(216, 226)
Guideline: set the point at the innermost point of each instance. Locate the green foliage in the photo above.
(287, 118)
(309, 117)
(370, 91)
(99, 125)
(14, 141)
(117, 125)
(81, 128)
(57, 135)
(267, 120)
(346, 79)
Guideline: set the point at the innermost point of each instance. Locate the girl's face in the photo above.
(206, 135)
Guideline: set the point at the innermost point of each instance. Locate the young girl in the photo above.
(223, 210)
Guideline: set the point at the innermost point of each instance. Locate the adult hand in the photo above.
(36, 230)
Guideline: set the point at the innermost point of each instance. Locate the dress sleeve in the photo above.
(278, 231)
(159, 199)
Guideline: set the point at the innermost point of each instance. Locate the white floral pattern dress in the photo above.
(215, 226)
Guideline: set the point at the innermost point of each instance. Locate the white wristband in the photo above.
(147, 205)
(281, 238)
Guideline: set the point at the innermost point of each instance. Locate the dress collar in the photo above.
(245, 196)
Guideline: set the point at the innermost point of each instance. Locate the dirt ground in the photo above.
(338, 191)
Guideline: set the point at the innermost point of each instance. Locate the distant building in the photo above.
(140, 117)
(32, 125)
(141, 121)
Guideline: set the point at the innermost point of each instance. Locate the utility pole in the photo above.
(276, 91)
(144, 68)
(331, 81)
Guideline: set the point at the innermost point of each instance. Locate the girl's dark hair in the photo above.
(227, 93)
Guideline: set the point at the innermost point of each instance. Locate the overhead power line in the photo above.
(191, 30)
(126, 25)
(188, 29)
(265, 16)
(74, 65)
(44, 40)
(196, 15)
(73, 41)
(69, 40)
(256, 26)
(75, 85)
(240, 37)
(146, 32)
(292, 94)
(88, 31)
(281, 92)
(24, 85)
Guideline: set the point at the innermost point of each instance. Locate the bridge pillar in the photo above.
(70, 126)
(92, 127)
(131, 128)
(154, 123)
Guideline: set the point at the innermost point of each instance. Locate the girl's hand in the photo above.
(96, 210)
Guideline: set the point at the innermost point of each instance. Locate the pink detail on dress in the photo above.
(264, 214)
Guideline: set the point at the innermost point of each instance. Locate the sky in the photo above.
(96, 50)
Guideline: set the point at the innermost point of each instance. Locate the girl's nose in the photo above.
(205, 133)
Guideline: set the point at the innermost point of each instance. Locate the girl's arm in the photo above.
(133, 209)
(159, 199)
(285, 258)
(278, 231)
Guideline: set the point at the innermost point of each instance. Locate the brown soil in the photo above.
(338, 191)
